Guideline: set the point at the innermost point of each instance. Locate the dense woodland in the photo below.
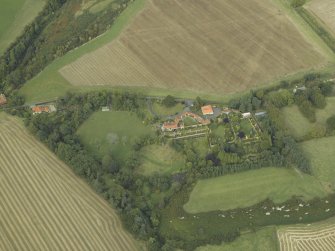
(54, 32)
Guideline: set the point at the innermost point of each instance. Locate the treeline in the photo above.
(22, 51)
(55, 31)
(316, 26)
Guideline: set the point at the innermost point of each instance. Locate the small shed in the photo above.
(105, 109)
(260, 114)
(246, 115)
(3, 99)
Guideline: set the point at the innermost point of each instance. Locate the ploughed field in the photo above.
(301, 238)
(225, 46)
(325, 10)
(44, 206)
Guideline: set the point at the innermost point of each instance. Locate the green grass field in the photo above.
(321, 153)
(248, 188)
(14, 16)
(166, 111)
(113, 132)
(160, 159)
(261, 240)
(299, 125)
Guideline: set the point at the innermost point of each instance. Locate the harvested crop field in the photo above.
(44, 206)
(319, 237)
(225, 46)
(325, 10)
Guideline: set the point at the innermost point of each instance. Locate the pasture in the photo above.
(248, 188)
(299, 126)
(44, 205)
(166, 111)
(160, 159)
(325, 10)
(264, 239)
(14, 16)
(319, 236)
(322, 157)
(194, 46)
(112, 132)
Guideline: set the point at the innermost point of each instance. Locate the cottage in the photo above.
(179, 124)
(39, 109)
(3, 99)
(207, 110)
(171, 126)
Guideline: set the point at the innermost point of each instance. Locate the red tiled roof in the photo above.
(207, 110)
(170, 125)
(40, 109)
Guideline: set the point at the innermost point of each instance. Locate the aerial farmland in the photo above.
(166, 125)
(44, 206)
(325, 10)
(189, 45)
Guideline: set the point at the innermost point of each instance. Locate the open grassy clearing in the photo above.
(160, 159)
(14, 16)
(261, 240)
(318, 236)
(44, 206)
(112, 132)
(299, 125)
(165, 47)
(325, 10)
(321, 154)
(166, 111)
(248, 188)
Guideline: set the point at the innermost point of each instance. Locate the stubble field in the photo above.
(225, 46)
(325, 10)
(44, 206)
(319, 236)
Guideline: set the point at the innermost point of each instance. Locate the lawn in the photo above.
(248, 188)
(220, 131)
(113, 132)
(261, 240)
(160, 159)
(322, 155)
(166, 111)
(14, 16)
(299, 125)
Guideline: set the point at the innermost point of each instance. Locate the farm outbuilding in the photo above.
(246, 115)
